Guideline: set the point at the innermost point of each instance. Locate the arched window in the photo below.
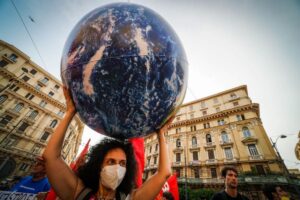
(246, 132)
(224, 136)
(3, 98)
(33, 114)
(18, 107)
(208, 138)
(178, 143)
(194, 141)
(53, 123)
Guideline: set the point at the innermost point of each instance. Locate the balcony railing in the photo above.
(256, 157)
(177, 163)
(195, 162)
(209, 144)
(226, 142)
(211, 161)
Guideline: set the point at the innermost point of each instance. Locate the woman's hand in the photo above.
(69, 102)
(164, 129)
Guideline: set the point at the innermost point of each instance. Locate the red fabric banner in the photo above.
(170, 186)
(138, 147)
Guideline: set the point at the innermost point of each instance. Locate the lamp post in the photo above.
(286, 171)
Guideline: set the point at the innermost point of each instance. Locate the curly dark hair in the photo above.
(226, 169)
(89, 173)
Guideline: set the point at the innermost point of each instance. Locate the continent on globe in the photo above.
(126, 70)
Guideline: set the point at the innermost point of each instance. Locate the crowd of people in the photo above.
(110, 172)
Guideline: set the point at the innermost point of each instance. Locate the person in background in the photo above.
(109, 172)
(275, 192)
(230, 175)
(167, 196)
(37, 182)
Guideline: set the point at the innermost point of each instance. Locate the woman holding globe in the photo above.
(115, 168)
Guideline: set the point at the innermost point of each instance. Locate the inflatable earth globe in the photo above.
(126, 70)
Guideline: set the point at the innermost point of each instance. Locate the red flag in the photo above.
(170, 186)
(74, 166)
(138, 147)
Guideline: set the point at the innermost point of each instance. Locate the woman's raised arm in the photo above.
(63, 180)
(151, 188)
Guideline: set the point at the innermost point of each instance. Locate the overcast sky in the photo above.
(228, 43)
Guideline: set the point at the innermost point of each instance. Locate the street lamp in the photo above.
(286, 171)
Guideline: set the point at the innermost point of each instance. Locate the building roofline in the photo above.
(28, 59)
(217, 94)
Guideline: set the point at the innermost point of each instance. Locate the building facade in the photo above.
(297, 148)
(216, 131)
(31, 106)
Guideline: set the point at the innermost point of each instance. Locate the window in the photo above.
(38, 86)
(178, 143)
(150, 149)
(25, 78)
(50, 94)
(217, 109)
(29, 96)
(36, 150)
(56, 87)
(33, 71)
(18, 107)
(3, 63)
(178, 130)
(203, 104)
(240, 117)
(45, 136)
(33, 114)
(16, 89)
(156, 147)
(193, 128)
(206, 125)
(5, 120)
(177, 118)
(53, 123)
(195, 155)
(191, 107)
(233, 96)
(148, 161)
(224, 137)
(204, 112)
(208, 138)
(3, 98)
(194, 141)
(213, 172)
(178, 174)
(155, 160)
(12, 86)
(228, 153)
(211, 155)
(45, 80)
(196, 173)
(252, 150)
(13, 57)
(216, 100)
(246, 132)
(221, 122)
(23, 167)
(43, 103)
(9, 142)
(60, 113)
(178, 157)
(23, 127)
(235, 103)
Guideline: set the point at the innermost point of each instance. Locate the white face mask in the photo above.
(112, 176)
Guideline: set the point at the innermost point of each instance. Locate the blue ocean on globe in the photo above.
(126, 69)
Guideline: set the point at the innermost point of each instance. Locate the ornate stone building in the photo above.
(297, 148)
(216, 131)
(31, 106)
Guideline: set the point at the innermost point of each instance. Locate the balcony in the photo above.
(12, 112)
(195, 147)
(230, 160)
(43, 82)
(29, 120)
(209, 145)
(177, 164)
(9, 59)
(178, 149)
(195, 163)
(211, 162)
(256, 157)
(226, 142)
